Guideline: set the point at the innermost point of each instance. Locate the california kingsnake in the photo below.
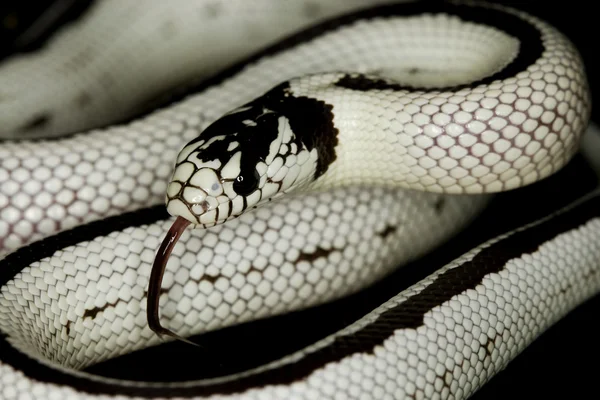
(513, 106)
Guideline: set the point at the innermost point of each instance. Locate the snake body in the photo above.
(310, 171)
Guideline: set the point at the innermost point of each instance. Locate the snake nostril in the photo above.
(205, 206)
(201, 207)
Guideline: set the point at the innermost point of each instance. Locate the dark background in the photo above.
(561, 363)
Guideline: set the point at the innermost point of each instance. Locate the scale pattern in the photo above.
(488, 139)
(460, 345)
(83, 304)
(87, 302)
(49, 186)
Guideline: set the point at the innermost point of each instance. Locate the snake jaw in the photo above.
(156, 277)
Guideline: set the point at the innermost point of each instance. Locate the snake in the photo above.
(337, 150)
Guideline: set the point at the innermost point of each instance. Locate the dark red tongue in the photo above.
(156, 277)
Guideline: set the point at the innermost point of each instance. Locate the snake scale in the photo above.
(354, 141)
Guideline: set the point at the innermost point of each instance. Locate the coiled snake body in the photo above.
(310, 172)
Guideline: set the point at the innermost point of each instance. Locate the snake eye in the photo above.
(246, 183)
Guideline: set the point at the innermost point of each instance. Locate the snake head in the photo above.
(247, 157)
(239, 162)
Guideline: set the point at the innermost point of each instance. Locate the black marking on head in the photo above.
(311, 122)
(38, 122)
(68, 327)
(246, 182)
(253, 143)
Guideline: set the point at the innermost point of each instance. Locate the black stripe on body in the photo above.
(499, 19)
(408, 314)
(531, 47)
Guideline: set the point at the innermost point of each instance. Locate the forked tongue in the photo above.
(156, 277)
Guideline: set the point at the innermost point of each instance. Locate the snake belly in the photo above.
(76, 297)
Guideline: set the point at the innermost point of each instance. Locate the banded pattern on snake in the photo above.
(318, 186)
